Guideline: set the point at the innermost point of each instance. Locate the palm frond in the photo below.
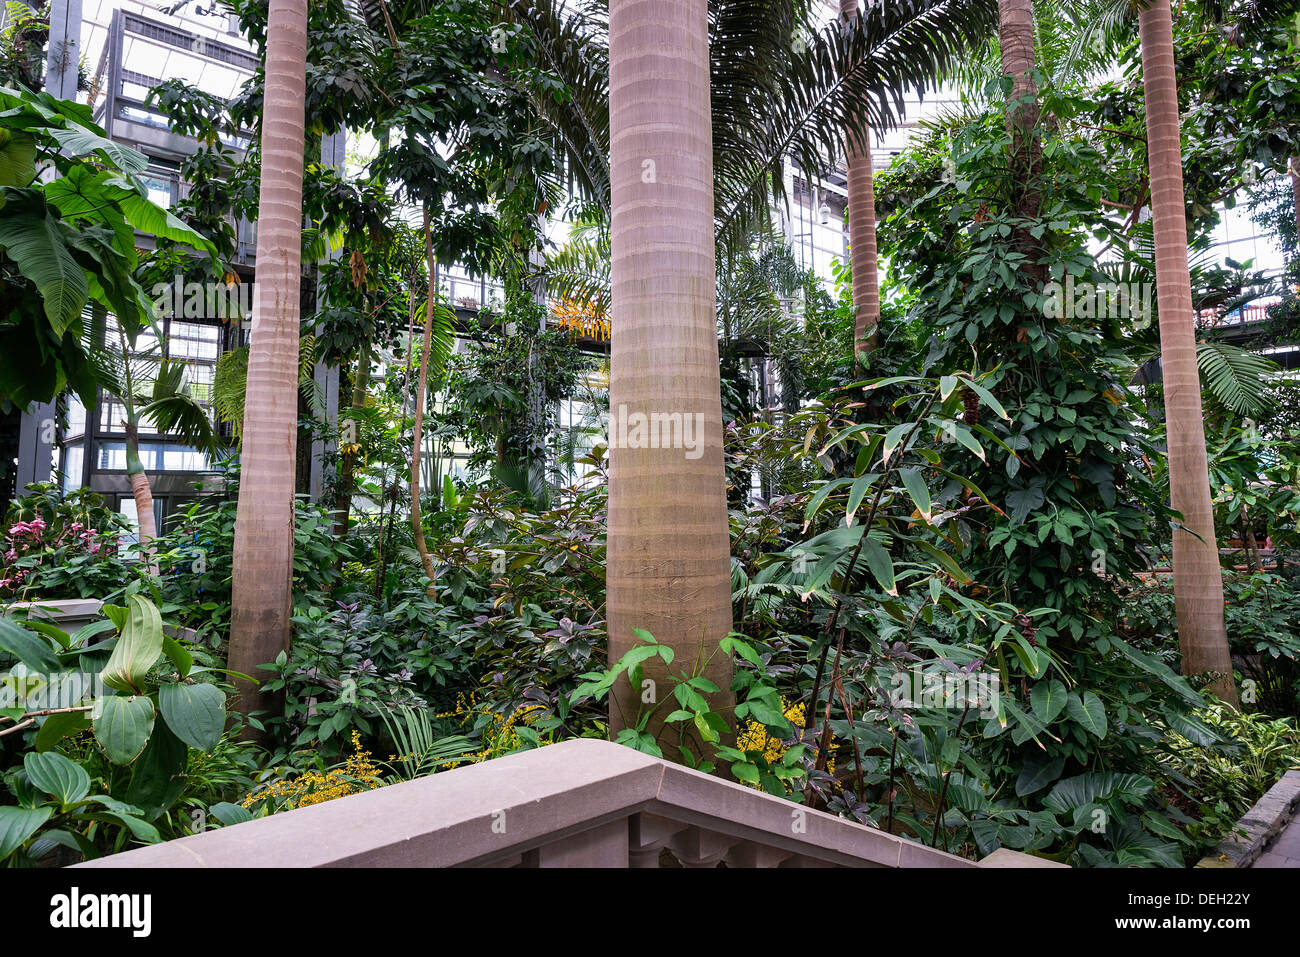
(419, 752)
(848, 77)
(174, 411)
(1235, 377)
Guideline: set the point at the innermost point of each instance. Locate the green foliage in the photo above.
(68, 241)
(141, 696)
(22, 43)
(503, 393)
(64, 545)
(194, 560)
(1230, 780)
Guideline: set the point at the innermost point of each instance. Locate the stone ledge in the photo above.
(1261, 824)
(576, 801)
(1005, 857)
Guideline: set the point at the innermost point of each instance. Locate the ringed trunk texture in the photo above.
(263, 550)
(669, 552)
(863, 259)
(1016, 41)
(1198, 581)
(143, 496)
(141, 492)
(417, 526)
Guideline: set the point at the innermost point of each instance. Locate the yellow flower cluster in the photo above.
(500, 736)
(754, 736)
(358, 773)
(580, 318)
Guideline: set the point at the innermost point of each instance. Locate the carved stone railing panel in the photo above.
(582, 803)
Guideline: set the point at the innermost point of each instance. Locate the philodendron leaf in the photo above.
(17, 824)
(1038, 774)
(195, 713)
(55, 774)
(1089, 712)
(1048, 700)
(137, 649)
(17, 158)
(123, 725)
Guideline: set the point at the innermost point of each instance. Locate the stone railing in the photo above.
(582, 803)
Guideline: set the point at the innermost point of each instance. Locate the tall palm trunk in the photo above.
(668, 557)
(417, 444)
(1016, 41)
(141, 492)
(862, 231)
(140, 489)
(264, 521)
(1198, 581)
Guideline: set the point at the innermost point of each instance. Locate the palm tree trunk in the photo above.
(417, 444)
(668, 557)
(261, 602)
(1016, 40)
(140, 490)
(863, 259)
(139, 479)
(1198, 581)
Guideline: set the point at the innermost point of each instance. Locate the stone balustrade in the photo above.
(581, 803)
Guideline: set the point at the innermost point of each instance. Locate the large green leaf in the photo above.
(1048, 700)
(1037, 774)
(17, 158)
(137, 649)
(916, 488)
(123, 725)
(34, 239)
(1157, 668)
(31, 649)
(1088, 711)
(229, 814)
(1094, 788)
(1192, 728)
(17, 824)
(196, 713)
(55, 774)
(158, 775)
(82, 194)
(127, 815)
(79, 141)
(59, 726)
(148, 217)
(881, 565)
